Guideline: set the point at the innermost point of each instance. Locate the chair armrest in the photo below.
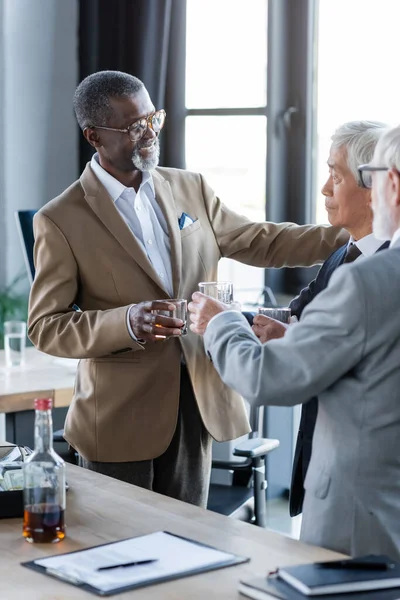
(255, 447)
(230, 465)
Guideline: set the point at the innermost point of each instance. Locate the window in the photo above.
(357, 73)
(226, 123)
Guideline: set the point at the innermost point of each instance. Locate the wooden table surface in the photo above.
(101, 509)
(41, 376)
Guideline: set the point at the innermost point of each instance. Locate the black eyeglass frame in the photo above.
(146, 121)
(367, 168)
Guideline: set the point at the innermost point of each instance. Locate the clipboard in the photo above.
(195, 558)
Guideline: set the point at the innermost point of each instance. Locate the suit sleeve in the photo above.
(53, 326)
(269, 244)
(313, 354)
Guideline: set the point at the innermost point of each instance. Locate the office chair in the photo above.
(245, 499)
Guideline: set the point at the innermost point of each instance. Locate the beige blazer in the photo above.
(126, 395)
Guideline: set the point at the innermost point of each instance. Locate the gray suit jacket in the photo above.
(346, 351)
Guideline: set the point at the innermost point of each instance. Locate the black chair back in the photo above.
(24, 220)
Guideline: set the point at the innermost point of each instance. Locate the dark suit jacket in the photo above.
(310, 409)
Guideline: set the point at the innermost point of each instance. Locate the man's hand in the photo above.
(149, 327)
(267, 329)
(202, 310)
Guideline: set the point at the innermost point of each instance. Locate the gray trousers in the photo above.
(183, 470)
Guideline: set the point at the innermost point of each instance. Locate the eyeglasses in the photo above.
(138, 128)
(365, 174)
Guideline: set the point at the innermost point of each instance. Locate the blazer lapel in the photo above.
(103, 206)
(166, 202)
(384, 246)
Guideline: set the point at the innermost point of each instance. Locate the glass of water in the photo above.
(220, 290)
(279, 314)
(14, 343)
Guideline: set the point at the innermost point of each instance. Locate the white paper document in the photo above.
(171, 557)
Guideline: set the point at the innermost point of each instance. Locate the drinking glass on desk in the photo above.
(277, 313)
(14, 343)
(180, 311)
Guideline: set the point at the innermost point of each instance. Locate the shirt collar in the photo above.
(368, 244)
(395, 238)
(114, 187)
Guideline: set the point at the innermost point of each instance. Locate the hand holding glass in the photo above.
(14, 343)
(274, 312)
(180, 312)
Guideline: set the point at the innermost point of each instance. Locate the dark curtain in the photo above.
(145, 38)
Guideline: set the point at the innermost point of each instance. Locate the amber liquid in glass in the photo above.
(43, 523)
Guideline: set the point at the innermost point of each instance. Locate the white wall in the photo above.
(38, 130)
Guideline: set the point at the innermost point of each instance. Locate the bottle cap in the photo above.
(43, 403)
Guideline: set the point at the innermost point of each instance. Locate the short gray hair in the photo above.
(359, 138)
(92, 96)
(388, 149)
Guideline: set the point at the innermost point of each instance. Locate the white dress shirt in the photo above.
(368, 245)
(144, 218)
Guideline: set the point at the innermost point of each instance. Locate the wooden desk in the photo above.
(101, 509)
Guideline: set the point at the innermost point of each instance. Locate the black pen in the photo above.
(129, 564)
(353, 564)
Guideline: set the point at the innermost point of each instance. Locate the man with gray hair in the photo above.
(119, 243)
(348, 204)
(346, 351)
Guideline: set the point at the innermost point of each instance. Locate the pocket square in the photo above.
(185, 220)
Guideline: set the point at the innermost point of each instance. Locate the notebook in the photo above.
(148, 559)
(353, 575)
(273, 588)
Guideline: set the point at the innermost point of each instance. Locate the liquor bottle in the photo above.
(44, 483)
